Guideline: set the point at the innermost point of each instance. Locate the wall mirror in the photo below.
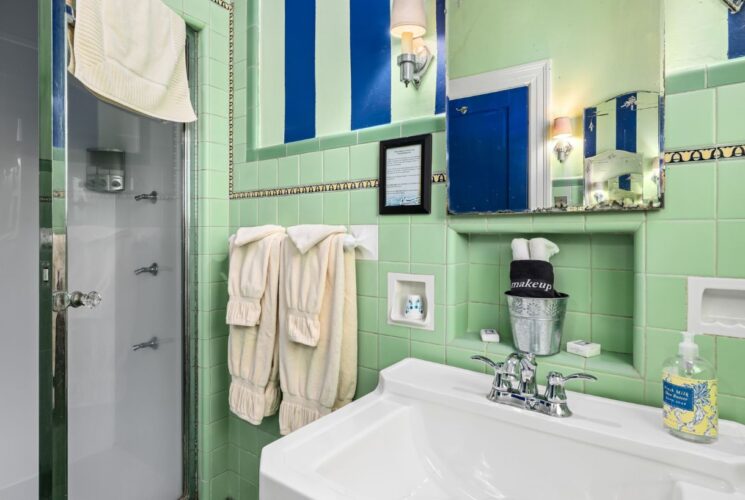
(559, 109)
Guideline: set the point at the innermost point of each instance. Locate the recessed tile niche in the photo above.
(595, 269)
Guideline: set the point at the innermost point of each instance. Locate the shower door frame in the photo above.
(53, 422)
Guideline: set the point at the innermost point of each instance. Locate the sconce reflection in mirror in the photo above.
(409, 23)
(622, 146)
(562, 134)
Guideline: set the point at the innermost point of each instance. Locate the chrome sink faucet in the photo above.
(515, 384)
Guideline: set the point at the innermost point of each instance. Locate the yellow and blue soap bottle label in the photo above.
(690, 405)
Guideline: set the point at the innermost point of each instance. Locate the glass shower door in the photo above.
(124, 357)
(110, 242)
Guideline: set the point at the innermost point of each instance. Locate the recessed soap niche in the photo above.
(400, 287)
(716, 306)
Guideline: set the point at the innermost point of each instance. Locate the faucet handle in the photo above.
(499, 387)
(493, 364)
(580, 376)
(555, 384)
(561, 379)
(556, 396)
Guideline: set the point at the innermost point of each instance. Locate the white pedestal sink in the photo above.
(428, 432)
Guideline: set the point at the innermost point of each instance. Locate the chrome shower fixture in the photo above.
(734, 5)
(153, 344)
(152, 269)
(152, 196)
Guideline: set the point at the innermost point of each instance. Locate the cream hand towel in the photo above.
(247, 275)
(317, 380)
(253, 354)
(132, 53)
(303, 281)
(306, 236)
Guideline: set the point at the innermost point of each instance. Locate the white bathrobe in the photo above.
(317, 325)
(253, 354)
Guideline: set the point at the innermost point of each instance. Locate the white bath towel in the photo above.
(253, 354)
(520, 249)
(132, 53)
(542, 249)
(317, 325)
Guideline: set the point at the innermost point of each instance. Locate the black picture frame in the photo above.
(426, 178)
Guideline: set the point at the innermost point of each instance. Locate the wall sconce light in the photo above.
(562, 133)
(409, 23)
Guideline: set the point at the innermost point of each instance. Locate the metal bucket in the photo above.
(537, 323)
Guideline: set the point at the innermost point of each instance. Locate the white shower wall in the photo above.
(19, 236)
(125, 438)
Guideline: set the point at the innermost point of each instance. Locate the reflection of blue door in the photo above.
(488, 152)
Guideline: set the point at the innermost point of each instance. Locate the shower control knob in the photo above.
(152, 269)
(89, 300)
(152, 196)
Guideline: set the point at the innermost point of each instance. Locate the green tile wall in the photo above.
(626, 272)
(211, 21)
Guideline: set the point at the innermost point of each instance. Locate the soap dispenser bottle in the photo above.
(689, 399)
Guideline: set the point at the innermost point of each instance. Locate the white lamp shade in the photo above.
(562, 127)
(408, 16)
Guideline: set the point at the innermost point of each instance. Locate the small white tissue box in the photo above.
(489, 335)
(583, 348)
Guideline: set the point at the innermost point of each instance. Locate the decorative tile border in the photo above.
(231, 95)
(231, 86)
(416, 126)
(225, 5)
(437, 178)
(672, 157)
(705, 154)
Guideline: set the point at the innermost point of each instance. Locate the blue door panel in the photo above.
(626, 122)
(590, 132)
(518, 149)
(488, 152)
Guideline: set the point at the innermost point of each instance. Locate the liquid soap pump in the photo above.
(689, 399)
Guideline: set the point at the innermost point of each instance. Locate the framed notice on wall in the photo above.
(406, 175)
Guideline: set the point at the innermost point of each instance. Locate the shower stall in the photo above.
(95, 307)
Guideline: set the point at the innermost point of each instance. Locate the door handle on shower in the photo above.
(63, 300)
(152, 269)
